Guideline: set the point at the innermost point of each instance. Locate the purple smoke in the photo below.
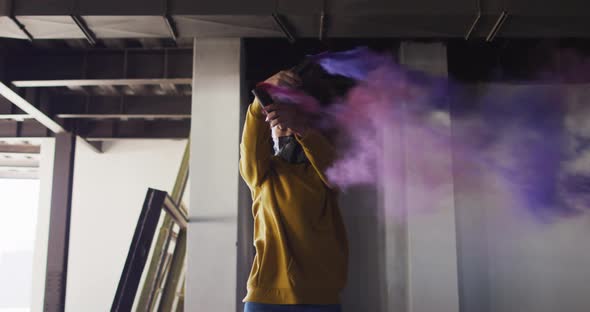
(519, 136)
(356, 63)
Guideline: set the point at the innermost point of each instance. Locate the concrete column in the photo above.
(213, 228)
(42, 232)
(392, 204)
(431, 237)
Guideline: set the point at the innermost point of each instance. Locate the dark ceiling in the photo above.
(79, 19)
(122, 69)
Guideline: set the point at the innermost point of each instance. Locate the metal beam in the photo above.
(30, 109)
(18, 164)
(22, 28)
(171, 25)
(17, 117)
(19, 149)
(13, 155)
(109, 139)
(99, 82)
(88, 33)
(59, 223)
(124, 116)
(284, 27)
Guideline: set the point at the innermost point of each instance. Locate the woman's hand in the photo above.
(284, 78)
(286, 116)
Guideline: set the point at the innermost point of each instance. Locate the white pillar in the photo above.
(432, 242)
(42, 235)
(212, 231)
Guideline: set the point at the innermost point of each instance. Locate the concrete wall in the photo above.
(109, 190)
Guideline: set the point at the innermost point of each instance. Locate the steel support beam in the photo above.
(17, 117)
(88, 33)
(21, 149)
(59, 223)
(124, 116)
(99, 82)
(30, 109)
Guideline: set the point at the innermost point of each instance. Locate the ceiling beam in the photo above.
(18, 164)
(19, 155)
(17, 117)
(30, 109)
(110, 139)
(171, 25)
(88, 33)
(124, 116)
(99, 82)
(19, 149)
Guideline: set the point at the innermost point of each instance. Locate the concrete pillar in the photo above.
(213, 228)
(42, 232)
(431, 237)
(392, 204)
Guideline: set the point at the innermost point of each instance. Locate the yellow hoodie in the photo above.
(300, 239)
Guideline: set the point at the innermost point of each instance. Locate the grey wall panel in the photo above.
(367, 277)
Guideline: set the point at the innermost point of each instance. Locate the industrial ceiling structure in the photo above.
(114, 69)
(95, 20)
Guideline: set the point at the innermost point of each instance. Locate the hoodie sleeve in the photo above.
(255, 149)
(320, 152)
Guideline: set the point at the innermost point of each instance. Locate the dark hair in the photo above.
(322, 85)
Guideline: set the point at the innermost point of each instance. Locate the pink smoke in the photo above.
(398, 134)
